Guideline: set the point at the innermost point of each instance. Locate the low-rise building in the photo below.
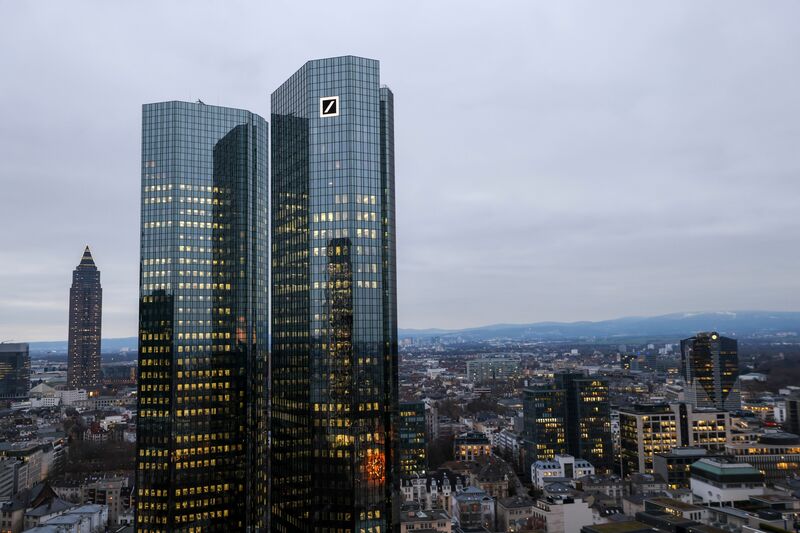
(434, 490)
(110, 494)
(515, 514)
(562, 467)
(678, 508)
(415, 521)
(674, 465)
(611, 485)
(470, 446)
(473, 508)
(30, 456)
(647, 484)
(493, 477)
(566, 514)
(724, 482)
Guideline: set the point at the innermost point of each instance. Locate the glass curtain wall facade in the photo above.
(710, 367)
(587, 418)
(413, 457)
(15, 370)
(203, 322)
(85, 319)
(334, 320)
(572, 416)
(544, 425)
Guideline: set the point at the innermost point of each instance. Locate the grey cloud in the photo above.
(556, 160)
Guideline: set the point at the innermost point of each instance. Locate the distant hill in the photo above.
(107, 345)
(733, 323)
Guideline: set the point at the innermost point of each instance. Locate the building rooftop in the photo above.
(471, 437)
(674, 504)
(640, 478)
(516, 502)
(423, 516)
(89, 508)
(723, 467)
(631, 526)
(471, 494)
(684, 451)
(56, 505)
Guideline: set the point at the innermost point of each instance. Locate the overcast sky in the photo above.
(556, 160)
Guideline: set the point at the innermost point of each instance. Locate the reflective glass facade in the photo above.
(710, 367)
(413, 456)
(573, 416)
(334, 320)
(544, 422)
(85, 321)
(15, 370)
(588, 418)
(203, 323)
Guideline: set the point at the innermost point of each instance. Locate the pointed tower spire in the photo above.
(87, 260)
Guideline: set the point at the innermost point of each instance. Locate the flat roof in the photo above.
(675, 504)
(630, 526)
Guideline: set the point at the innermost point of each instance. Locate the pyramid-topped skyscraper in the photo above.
(85, 314)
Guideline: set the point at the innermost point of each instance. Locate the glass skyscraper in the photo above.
(334, 318)
(710, 368)
(15, 371)
(544, 424)
(572, 415)
(413, 457)
(587, 418)
(203, 323)
(85, 319)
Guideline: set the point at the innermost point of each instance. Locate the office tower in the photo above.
(647, 430)
(411, 432)
(203, 324)
(15, 370)
(544, 425)
(85, 315)
(492, 369)
(587, 417)
(710, 367)
(573, 415)
(334, 319)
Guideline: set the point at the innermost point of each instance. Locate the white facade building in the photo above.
(561, 467)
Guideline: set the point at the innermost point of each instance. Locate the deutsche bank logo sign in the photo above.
(329, 106)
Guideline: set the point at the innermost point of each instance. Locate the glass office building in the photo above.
(203, 323)
(710, 368)
(15, 370)
(334, 319)
(413, 457)
(587, 418)
(544, 424)
(572, 415)
(85, 320)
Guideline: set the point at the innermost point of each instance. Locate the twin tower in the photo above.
(268, 316)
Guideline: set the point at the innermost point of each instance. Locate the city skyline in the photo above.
(590, 195)
(451, 267)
